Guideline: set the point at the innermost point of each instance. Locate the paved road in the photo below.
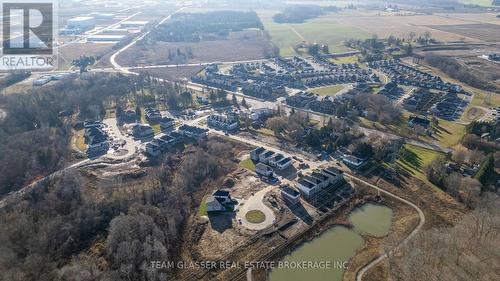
(315, 165)
(256, 202)
(112, 59)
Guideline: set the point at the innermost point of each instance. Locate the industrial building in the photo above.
(82, 23)
(105, 38)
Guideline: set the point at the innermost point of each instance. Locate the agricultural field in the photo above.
(324, 29)
(484, 3)
(489, 17)
(245, 45)
(485, 32)
(401, 25)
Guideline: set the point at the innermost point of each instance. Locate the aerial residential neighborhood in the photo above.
(261, 140)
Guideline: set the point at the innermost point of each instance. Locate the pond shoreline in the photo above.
(338, 240)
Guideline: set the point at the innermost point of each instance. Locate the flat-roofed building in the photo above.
(290, 195)
(83, 23)
(319, 180)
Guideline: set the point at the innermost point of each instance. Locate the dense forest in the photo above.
(61, 231)
(197, 27)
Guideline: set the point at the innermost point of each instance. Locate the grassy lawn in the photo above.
(255, 216)
(80, 140)
(349, 59)
(323, 30)
(202, 210)
(481, 99)
(156, 128)
(449, 133)
(328, 91)
(414, 159)
(248, 164)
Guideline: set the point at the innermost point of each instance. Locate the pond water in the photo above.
(336, 245)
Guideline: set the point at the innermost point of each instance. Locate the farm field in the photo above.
(324, 29)
(473, 17)
(401, 26)
(247, 45)
(484, 3)
(485, 32)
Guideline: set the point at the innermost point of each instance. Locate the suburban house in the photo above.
(193, 132)
(96, 139)
(167, 123)
(153, 115)
(290, 195)
(220, 201)
(128, 116)
(254, 154)
(317, 181)
(354, 162)
(223, 122)
(141, 131)
(418, 121)
(152, 149)
(264, 170)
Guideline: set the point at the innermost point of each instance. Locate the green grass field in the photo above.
(449, 133)
(248, 164)
(349, 59)
(484, 3)
(202, 210)
(414, 159)
(327, 91)
(324, 30)
(255, 216)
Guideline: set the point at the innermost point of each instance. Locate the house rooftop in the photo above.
(290, 191)
(221, 193)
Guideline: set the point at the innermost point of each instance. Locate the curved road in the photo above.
(256, 202)
(373, 263)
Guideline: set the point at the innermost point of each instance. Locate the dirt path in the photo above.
(296, 33)
(373, 263)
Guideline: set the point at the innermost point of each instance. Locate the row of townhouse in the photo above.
(269, 158)
(165, 141)
(317, 181)
(228, 122)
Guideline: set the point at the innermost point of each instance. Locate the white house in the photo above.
(219, 201)
(264, 170)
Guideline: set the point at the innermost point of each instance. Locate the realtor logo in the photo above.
(28, 29)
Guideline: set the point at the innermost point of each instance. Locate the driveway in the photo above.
(256, 202)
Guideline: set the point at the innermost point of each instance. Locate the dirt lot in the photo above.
(248, 45)
(172, 73)
(484, 32)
